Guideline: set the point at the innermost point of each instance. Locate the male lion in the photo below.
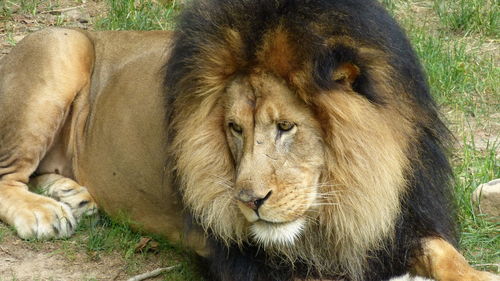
(279, 139)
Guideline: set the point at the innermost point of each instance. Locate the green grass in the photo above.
(459, 78)
(106, 235)
(389, 5)
(138, 15)
(467, 16)
(480, 239)
(2, 234)
(103, 235)
(464, 81)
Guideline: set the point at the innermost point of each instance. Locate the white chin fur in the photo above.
(268, 234)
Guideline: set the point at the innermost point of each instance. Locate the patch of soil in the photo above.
(68, 260)
(21, 261)
(17, 21)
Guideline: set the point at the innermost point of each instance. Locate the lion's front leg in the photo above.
(439, 260)
(39, 80)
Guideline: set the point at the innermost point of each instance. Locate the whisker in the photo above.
(223, 184)
(325, 204)
(221, 178)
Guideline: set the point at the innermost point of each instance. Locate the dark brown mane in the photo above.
(303, 43)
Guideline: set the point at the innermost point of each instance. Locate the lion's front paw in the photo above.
(67, 191)
(36, 216)
(79, 199)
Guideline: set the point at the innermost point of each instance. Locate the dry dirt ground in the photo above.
(67, 261)
(21, 260)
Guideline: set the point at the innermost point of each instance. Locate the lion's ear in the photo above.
(346, 73)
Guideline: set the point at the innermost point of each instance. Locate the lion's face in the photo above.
(278, 154)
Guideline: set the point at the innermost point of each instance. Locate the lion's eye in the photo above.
(285, 126)
(235, 128)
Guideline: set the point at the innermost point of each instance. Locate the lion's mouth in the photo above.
(276, 233)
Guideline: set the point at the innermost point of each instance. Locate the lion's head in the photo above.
(294, 131)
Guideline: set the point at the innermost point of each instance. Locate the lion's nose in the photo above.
(252, 200)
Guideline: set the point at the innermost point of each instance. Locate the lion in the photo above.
(279, 140)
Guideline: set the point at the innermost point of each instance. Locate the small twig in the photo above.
(153, 273)
(59, 11)
(488, 264)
